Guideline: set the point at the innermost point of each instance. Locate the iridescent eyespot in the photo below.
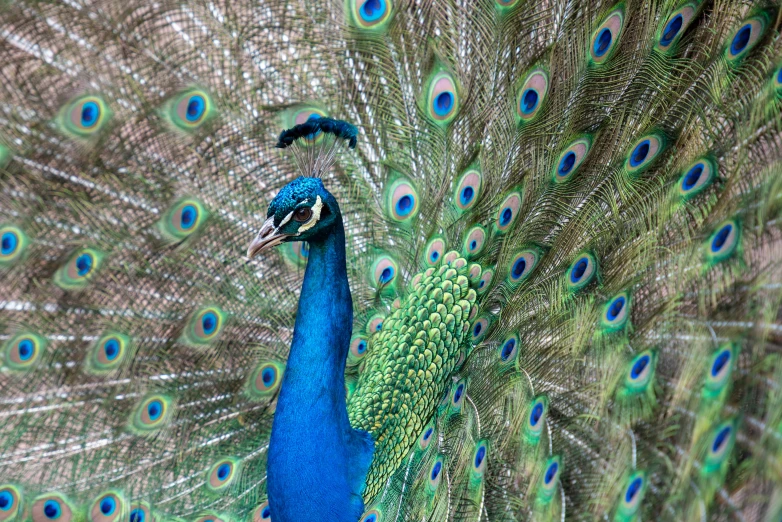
(13, 243)
(204, 326)
(536, 419)
(474, 241)
(222, 474)
(375, 323)
(746, 37)
(479, 458)
(189, 110)
(371, 15)
(720, 369)
(479, 329)
(697, 177)
(550, 479)
(265, 380)
(632, 495)
(435, 474)
(571, 159)
(509, 349)
(301, 115)
(468, 189)
(23, 351)
(11, 502)
(262, 513)
(108, 352)
(643, 153)
(675, 26)
(442, 99)
(84, 117)
(776, 80)
(151, 413)
(183, 219)
(508, 212)
(616, 312)
(358, 349)
(724, 241)
(457, 395)
(484, 282)
(374, 515)
(474, 272)
(581, 272)
(384, 272)
(606, 38)
(80, 269)
(451, 257)
(52, 507)
(109, 506)
(532, 95)
(640, 372)
(434, 251)
(720, 443)
(522, 265)
(141, 512)
(402, 200)
(426, 437)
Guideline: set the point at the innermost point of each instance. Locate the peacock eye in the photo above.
(302, 214)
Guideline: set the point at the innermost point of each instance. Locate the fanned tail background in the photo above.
(610, 172)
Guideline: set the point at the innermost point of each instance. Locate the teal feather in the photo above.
(565, 211)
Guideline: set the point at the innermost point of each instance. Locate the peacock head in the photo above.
(303, 211)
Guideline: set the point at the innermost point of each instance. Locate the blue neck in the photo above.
(311, 472)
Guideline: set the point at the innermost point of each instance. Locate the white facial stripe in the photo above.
(286, 219)
(316, 208)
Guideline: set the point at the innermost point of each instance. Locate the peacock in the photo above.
(390, 260)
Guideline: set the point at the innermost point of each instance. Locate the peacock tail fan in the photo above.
(563, 247)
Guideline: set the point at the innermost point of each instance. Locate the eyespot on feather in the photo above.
(23, 351)
(697, 177)
(632, 495)
(402, 200)
(745, 38)
(457, 395)
(550, 479)
(606, 38)
(265, 380)
(484, 282)
(719, 370)
(375, 323)
(109, 506)
(52, 507)
(468, 189)
(204, 326)
(435, 475)
(479, 459)
(152, 413)
(570, 159)
(222, 474)
(426, 437)
(183, 219)
(384, 273)
(508, 212)
(474, 241)
(724, 241)
(373, 515)
(581, 272)
(508, 351)
(11, 502)
(262, 513)
(189, 110)
(141, 512)
(80, 269)
(616, 312)
(719, 444)
(532, 94)
(536, 419)
(370, 15)
(434, 251)
(83, 117)
(639, 374)
(644, 153)
(442, 98)
(675, 26)
(108, 352)
(13, 244)
(479, 329)
(522, 265)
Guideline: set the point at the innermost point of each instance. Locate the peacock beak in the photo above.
(269, 236)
